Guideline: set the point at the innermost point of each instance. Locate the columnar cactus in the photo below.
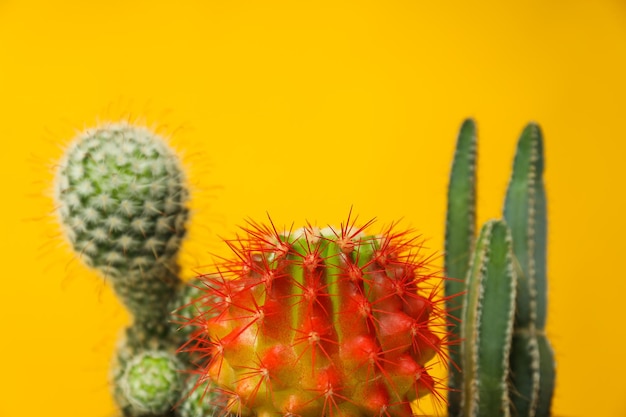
(459, 241)
(322, 323)
(506, 365)
(487, 324)
(532, 360)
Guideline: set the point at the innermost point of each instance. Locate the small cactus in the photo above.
(122, 202)
(322, 323)
(518, 375)
(148, 382)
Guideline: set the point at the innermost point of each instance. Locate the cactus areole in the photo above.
(330, 322)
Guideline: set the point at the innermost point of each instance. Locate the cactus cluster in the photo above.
(331, 322)
(505, 365)
(313, 322)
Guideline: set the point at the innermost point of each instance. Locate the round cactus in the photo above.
(148, 383)
(322, 323)
(122, 201)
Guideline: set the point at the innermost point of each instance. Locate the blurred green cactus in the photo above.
(121, 199)
(505, 365)
(147, 383)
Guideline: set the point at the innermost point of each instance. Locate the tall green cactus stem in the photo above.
(121, 198)
(487, 324)
(322, 323)
(460, 230)
(532, 362)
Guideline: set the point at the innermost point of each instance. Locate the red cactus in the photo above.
(321, 323)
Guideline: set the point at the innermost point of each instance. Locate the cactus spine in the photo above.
(320, 323)
(530, 372)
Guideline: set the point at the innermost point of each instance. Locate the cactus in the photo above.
(522, 380)
(460, 229)
(147, 382)
(122, 201)
(532, 362)
(121, 198)
(322, 323)
(487, 323)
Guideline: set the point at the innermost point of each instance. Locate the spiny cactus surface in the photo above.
(322, 323)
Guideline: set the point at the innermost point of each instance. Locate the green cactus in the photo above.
(530, 372)
(147, 383)
(322, 323)
(487, 323)
(525, 212)
(122, 201)
(460, 230)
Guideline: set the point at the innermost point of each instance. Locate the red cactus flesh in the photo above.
(321, 323)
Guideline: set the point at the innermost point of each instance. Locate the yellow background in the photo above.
(304, 109)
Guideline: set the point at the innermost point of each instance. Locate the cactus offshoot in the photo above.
(320, 323)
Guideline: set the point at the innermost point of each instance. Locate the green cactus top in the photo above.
(121, 198)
